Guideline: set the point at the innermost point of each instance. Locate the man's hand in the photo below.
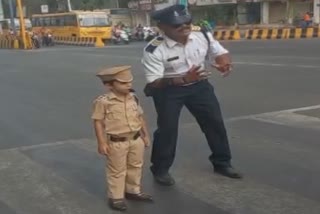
(194, 75)
(223, 64)
(225, 70)
(103, 149)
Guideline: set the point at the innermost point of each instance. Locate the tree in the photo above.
(34, 6)
(90, 4)
(100, 3)
(53, 5)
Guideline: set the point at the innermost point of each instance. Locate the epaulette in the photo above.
(154, 44)
(195, 28)
(104, 96)
(100, 98)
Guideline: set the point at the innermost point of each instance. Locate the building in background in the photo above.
(160, 4)
(119, 15)
(285, 11)
(247, 12)
(140, 11)
(218, 12)
(226, 12)
(1, 11)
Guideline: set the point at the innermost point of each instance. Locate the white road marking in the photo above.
(57, 143)
(247, 63)
(28, 186)
(287, 117)
(110, 55)
(241, 196)
(282, 117)
(276, 64)
(281, 56)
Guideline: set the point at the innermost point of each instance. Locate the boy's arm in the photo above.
(98, 116)
(99, 131)
(103, 147)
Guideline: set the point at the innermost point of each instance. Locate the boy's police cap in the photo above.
(173, 15)
(121, 74)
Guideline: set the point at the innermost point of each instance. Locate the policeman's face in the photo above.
(177, 31)
(121, 87)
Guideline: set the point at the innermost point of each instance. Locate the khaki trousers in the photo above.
(124, 168)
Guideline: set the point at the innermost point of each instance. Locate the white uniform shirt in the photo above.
(168, 58)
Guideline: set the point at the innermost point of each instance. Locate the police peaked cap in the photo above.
(173, 15)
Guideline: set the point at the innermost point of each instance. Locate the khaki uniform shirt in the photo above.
(120, 116)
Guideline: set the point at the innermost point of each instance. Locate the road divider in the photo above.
(9, 42)
(80, 41)
(282, 33)
(274, 33)
(222, 34)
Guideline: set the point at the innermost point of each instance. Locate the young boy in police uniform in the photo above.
(122, 135)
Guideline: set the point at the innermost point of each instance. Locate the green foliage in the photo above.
(89, 4)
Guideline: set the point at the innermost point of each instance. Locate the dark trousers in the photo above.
(201, 101)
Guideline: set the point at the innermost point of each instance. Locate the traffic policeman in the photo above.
(174, 67)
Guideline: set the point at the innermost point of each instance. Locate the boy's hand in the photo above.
(146, 140)
(103, 149)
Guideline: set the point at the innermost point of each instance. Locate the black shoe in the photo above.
(164, 179)
(139, 197)
(228, 172)
(117, 204)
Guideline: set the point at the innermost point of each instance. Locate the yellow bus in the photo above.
(74, 24)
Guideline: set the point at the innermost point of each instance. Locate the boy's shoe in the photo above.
(117, 204)
(139, 197)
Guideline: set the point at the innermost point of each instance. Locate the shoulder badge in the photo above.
(102, 97)
(154, 44)
(196, 28)
(201, 28)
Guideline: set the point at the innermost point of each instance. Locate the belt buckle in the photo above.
(120, 139)
(115, 138)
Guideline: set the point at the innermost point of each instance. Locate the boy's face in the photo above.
(120, 87)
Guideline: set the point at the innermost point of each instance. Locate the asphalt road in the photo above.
(271, 104)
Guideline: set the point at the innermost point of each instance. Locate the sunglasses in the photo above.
(179, 25)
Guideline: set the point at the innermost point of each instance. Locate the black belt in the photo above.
(115, 138)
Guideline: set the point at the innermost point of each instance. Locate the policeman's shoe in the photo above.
(164, 179)
(117, 204)
(228, 172)
(139, 197)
